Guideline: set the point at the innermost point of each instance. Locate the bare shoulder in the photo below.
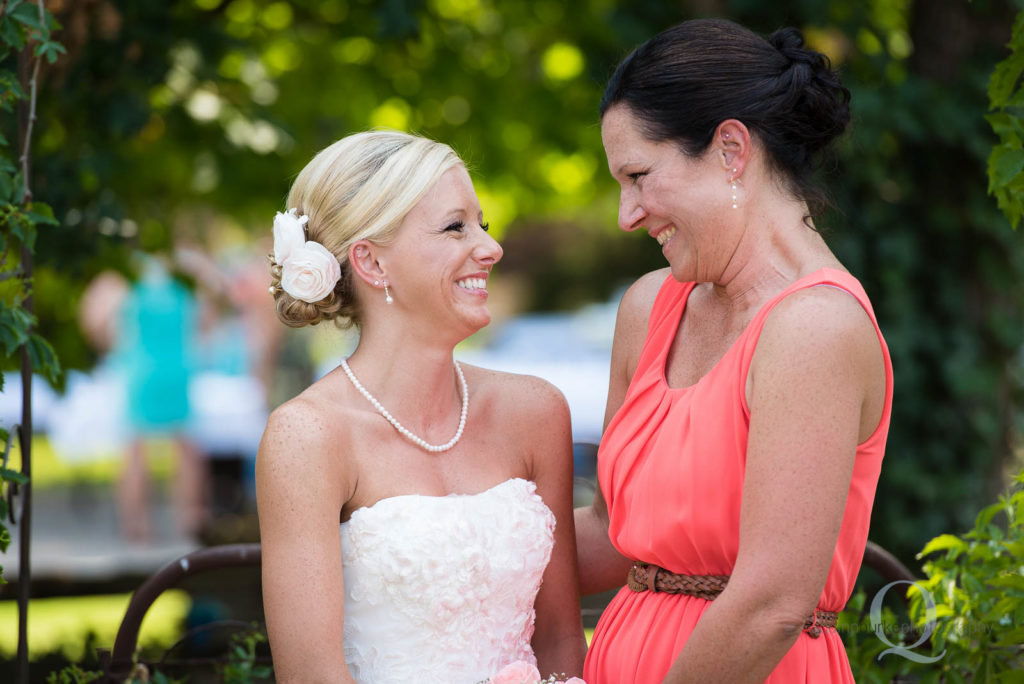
(300, 441)
(816, 314)
(525, 396)
(638, 300)
(821, 327)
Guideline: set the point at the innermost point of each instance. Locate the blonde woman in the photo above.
(452, 484)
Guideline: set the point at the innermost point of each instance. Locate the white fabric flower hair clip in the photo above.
(309, 271)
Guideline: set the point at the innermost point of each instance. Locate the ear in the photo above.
(363, 256)
(732, 146)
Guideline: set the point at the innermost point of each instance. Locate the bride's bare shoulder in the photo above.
(516, 393)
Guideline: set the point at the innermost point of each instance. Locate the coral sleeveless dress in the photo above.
(671, 468)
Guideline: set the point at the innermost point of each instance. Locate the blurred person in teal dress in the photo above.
(154, 352)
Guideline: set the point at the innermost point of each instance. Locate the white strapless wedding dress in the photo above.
(440, 589)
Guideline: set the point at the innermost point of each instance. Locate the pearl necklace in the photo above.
(401, 428)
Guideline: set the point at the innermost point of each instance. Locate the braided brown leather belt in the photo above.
(646, 577)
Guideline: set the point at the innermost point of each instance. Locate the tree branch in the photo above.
(33, 84)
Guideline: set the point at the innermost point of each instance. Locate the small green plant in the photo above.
(242, 667)
(977, 583)
(863, 646)
(72, 674)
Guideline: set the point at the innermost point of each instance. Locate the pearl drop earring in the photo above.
(734, 184)
(387, 295)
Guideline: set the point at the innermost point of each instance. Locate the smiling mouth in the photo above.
(665, 235)
(472, 284)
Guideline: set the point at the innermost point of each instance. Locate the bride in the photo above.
(452, 484)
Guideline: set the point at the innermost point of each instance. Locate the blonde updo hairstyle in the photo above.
(359, 188)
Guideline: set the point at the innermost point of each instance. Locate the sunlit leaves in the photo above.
(392, 113)
(562, 61)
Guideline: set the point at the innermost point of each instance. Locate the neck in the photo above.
(413, 379)
(777, 247)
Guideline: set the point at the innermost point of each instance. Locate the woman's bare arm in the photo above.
(817, 366)
(300, 488)
(558, 636)
(602, 567)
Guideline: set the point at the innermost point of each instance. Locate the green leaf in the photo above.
(1004, 165)
(40, 212)
(1010, 581)
(5, 538)
(24, 229)
(1004, 79)
(43, 357)
(941, 543)
(15, 476)
(986, 515)
(14, 326)
(29, 16)
(18, 193)
(50, 50)
(51, 22)
(11, 33)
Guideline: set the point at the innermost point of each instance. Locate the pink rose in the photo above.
(572, 680)
(518, 672)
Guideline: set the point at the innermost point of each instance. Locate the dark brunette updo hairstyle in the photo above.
(682, 83)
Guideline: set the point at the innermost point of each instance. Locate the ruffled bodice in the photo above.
(441, 588)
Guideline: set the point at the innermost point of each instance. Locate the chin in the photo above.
(475, 322)
(684, 273)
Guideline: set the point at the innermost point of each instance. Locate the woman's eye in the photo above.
(637, 176)
(486, 226)
(455, 226)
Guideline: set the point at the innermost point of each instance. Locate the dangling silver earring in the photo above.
(387, 295)
(735, 185)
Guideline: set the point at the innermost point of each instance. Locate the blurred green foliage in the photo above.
(188, 119)
(1006, 99)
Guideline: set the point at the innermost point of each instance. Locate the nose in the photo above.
(631, 213)
(487, 251)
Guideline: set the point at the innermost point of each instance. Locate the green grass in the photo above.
(61, 625)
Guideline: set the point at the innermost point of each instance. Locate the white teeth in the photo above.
(472, 284)
(665, 235)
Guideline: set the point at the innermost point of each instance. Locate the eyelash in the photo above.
(459, 225)
(635, 177)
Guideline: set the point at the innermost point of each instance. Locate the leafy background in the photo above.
(172, 120)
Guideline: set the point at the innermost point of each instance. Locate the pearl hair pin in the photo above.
(419, 441)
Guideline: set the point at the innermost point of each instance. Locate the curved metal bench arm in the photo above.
(212, 558)
(888, 566)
